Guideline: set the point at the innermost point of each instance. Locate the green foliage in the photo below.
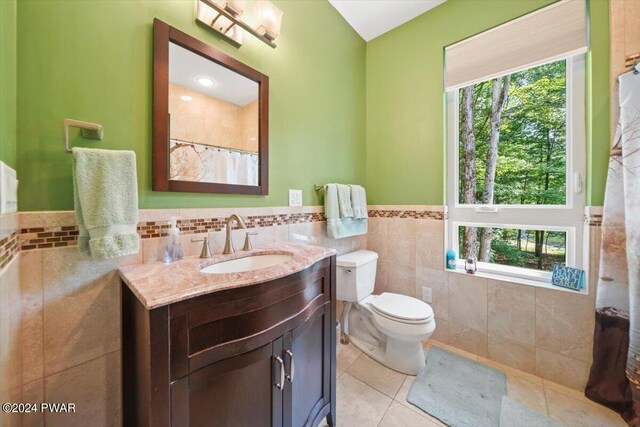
(532, 148)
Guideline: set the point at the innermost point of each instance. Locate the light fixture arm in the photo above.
(235, 21)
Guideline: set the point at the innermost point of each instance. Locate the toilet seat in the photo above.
(400, 308)
(395, 326)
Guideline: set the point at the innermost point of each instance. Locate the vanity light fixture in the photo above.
(268, 19)
(225, 17)
(206, 81)
(186, 98)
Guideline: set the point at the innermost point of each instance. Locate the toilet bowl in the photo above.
(388, 327)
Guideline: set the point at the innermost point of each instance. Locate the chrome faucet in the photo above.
(228, 246)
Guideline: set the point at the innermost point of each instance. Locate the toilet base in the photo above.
(406, 357)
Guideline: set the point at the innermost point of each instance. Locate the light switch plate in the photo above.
(426, 294)
(8, 189)
(295, 197)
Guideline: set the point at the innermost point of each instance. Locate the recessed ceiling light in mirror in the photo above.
(206, 81)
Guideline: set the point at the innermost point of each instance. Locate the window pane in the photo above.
(534, 249)
(512, 141)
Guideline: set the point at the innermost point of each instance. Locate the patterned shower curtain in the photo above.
(614, 380)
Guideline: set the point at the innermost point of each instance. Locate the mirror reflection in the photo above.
(213, 121)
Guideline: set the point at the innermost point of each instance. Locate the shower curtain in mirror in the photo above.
(614, 379)
(202, 163)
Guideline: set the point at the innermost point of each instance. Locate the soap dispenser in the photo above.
(172, 250)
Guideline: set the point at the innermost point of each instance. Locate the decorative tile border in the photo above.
(413, 214)
(593, 216)
(151, 229)
(593, 220)
(9, 248)
(62, 236)
(48, 237)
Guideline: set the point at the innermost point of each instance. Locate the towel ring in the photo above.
(88, 130)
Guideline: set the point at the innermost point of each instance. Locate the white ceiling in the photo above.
(185, 67)
(371, 18)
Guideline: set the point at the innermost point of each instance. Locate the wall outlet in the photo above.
(426, 294)
(295, 197)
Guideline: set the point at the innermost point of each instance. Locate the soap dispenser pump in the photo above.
(172, 247)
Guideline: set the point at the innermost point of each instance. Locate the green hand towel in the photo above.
(106, 202)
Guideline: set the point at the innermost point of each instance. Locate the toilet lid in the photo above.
(401, 307)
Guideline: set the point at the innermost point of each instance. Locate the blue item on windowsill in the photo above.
(451, 259)
(567, 277)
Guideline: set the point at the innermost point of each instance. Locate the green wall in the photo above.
(8, 40)
(92, 60)
(405, 98)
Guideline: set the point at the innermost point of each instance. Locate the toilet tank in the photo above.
(356, 275)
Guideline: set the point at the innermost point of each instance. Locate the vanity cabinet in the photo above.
(257, 355)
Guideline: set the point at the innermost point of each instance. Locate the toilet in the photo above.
(388, 327)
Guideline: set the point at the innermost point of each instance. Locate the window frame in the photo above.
(568, 217)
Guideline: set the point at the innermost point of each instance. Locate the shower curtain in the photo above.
(202, 163)
(614, 379)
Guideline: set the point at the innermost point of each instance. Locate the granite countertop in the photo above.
(157, 284)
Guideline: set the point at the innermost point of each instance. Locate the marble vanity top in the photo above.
(159, 284)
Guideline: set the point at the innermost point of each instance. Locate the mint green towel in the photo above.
(344, 201)
(337, 226)
(359, 202)
(105, 188)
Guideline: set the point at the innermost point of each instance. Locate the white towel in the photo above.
(344, 201)
(338, 227)
(359, 202)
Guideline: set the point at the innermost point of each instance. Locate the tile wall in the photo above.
(60, 318)
(60, 311)
(546, 332)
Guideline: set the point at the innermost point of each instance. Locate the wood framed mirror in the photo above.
(210, 118)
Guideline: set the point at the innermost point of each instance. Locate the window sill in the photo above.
(519, 280)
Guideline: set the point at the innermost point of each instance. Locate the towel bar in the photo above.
(319, 187)
(88, 130)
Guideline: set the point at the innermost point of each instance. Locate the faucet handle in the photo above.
(247, 241)
(206, 250)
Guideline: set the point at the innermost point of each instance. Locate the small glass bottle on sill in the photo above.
(470, 266)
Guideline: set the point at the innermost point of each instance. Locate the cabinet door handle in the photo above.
(280, 385)
(292, 371)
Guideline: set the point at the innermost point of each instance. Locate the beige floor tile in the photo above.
(399, 415)
(579, 413)
(376, 375)
(347, 355)
(358, 404)
(401, 397)
(559, 388)
(527, 392)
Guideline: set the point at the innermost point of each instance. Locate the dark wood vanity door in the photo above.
(307, 351)
(239, 391)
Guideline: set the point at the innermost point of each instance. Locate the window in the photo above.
(515, 168)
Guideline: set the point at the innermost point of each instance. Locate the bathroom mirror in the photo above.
(210, 118)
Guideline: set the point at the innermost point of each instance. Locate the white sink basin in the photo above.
(253, 262)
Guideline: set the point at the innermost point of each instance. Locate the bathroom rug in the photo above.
(458, 391)
(463, 393)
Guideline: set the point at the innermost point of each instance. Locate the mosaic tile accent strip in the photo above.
(406, 214)
(151, 229)
(9, 248)
(593, 220)
(61, 236)
(49, 237)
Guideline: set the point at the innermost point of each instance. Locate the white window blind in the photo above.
(550, 33)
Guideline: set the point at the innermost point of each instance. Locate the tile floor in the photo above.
(370, 394)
